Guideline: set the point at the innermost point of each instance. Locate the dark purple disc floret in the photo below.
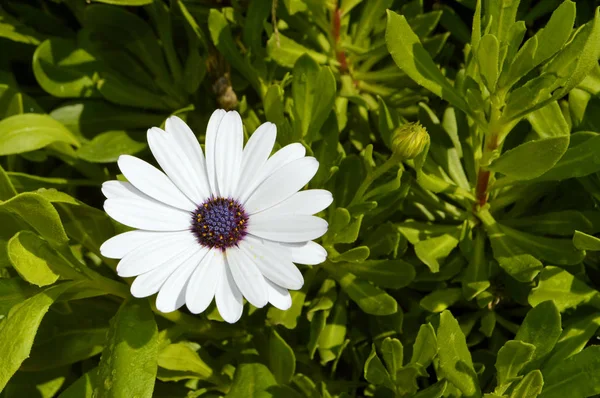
(219, 223)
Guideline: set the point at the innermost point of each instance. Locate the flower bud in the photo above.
(409, 140)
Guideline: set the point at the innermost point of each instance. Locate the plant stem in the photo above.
(490, 145)
(339, 51)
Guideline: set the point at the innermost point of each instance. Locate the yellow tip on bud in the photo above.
(409, 140)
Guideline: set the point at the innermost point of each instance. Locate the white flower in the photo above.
(228, 226)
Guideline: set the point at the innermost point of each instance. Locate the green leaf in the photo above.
(65, 70)
(573, 339)
(295, 6)
(413, 59)
(434, 391)
(541, 327)
(531, 159)
(578, 161)
(85, 224)
(17, 31)
(14, 291)
(7, 189)
(586, 57)
(131, 32)
(425, 347)
(221, 35)
(40, 214)
(129, 362)
(30, 131)
(332, 339)
(512, 258)
(576, 377)
(347, 180)
(391, 274)
(108, 146)
(543, 45)
(487, 57)
(440, 300)
(477, 275)
(20, 327)
(583, 241)
(82, 387)
(393, 355)
(327, 151)
(125, 2)
(512, 358)
(434, 250)
(369, 298)
(66, 348)
(13, 102)
(43, 384)
(563, 288)
(454, 356)
(371, 16)
(313, 91)
(502, 15)
(556, 32)
(317, 325)
(286, 51)
(375, 372)
(250, 380)
(120, 91)
(354, 255)
(282, 360)
(182, 357)
(562, 223)
(32, 258)
(530, 387)
(549, 121)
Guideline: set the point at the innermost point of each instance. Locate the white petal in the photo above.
(209, 144)
(153, 182)
(279, 297)
(228, 153)
(147, 214)
(190, 147)
(309, 253)
(155, 253)
(172, 294)
(203, 282)
(285, 155)
(307, 203)
(228, 297)
(176, 165)
(282, 184)
(120, 189)
(118, 246)
(257, 151)
(286, 228)
(274, 262)
(247, 277)
(150, 282)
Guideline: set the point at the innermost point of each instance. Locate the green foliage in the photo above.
(462, 265)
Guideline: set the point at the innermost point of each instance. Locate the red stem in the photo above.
(481, 193)
(340, 54)
(483, 176)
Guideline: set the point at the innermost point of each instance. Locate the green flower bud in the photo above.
(409, 140)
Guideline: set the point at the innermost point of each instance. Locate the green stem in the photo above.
(488, 221)
(371, 177)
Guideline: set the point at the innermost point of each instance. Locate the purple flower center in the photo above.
(219, 223)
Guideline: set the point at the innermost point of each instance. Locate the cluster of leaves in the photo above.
(471, 270)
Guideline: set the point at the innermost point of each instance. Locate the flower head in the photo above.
(228, 226)
(409, 140)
